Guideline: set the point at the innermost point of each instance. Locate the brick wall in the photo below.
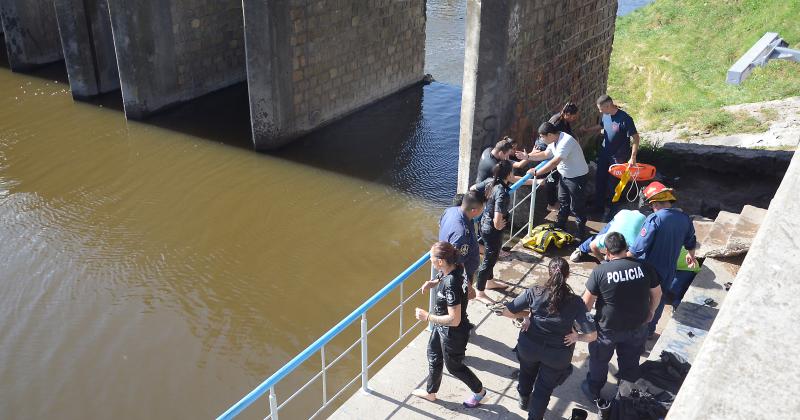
(559, 51)
(31, 33)
(329, 58)
(171, 51)
(209, 42)
(524, 60)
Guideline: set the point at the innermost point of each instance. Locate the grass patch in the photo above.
(769, 114)
(670, 59)
(719, 121)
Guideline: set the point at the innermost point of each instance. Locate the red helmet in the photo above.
(656, 191)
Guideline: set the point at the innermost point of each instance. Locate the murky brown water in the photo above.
(150, 273)
(162, 270)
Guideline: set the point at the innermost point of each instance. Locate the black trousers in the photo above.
(629, 345)
(447, 347)
(572, 197)
(540, 378)
(551, 188)
(492, 242)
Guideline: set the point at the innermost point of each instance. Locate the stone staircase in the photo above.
(722, 243)
(730, 234)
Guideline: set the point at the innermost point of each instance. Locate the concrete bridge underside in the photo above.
(310, 62)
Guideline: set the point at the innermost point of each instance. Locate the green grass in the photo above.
(671, 57)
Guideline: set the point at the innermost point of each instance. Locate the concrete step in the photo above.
(702, 225)
(745, 230)
(686, 330)
(715, 241)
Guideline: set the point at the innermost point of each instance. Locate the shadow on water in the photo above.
(3, 54)
(222, 116)
(408, 141)
(56, 71)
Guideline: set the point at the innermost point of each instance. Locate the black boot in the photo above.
(578, 414)
(523, 402)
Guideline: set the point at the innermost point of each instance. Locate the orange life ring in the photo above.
(639, 171)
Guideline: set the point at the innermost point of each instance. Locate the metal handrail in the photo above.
(268, 386)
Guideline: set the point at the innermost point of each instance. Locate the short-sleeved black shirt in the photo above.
(561, 124)
(499, 202)
(546, 328)
(623, 290)
(452, 291)
(485, 165)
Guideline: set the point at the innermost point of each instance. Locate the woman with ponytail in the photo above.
(494, 220)
(558, 319)
(450, 327)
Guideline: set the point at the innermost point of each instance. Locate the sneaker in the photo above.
(588, 392)
(523, 402)
(475, 400)
(577, 255)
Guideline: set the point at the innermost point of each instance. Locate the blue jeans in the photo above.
(628, 345)
(651, 327)
(584, 246)
(672, 295)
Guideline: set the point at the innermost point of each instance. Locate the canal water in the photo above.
(162, 269)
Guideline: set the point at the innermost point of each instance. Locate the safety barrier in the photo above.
(318, 346)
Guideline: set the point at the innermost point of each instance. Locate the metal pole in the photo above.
(273, 404)
(431, 298)
(513, 211)
(324, 377)
(401, 310)
(534, 187)
(364, 355)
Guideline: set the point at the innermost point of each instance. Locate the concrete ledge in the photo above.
(689, 325)
(747, 367)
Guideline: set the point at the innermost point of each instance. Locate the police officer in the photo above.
(546, 345)
(491, 156)
(627, 293)
(448, 342)
(494, 219)
(660, 240)
(457, 227)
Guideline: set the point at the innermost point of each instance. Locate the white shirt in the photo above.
(572, 164)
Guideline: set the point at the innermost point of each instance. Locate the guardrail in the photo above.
(318, 346)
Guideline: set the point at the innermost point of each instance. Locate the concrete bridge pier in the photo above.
(31, 33)
(88, 45)
(172, 51)
(314, 61)
(524, 60)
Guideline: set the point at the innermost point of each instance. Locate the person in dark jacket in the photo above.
(448, 342)
(547, 340)
(659, 243)
(494, 220)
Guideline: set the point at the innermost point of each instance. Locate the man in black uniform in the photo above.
(491, 156)
(627, 292)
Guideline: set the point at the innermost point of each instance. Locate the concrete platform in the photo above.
(687, 328)
(488, 354)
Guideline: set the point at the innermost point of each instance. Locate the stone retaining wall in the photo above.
(313, 61)
(524, 60)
